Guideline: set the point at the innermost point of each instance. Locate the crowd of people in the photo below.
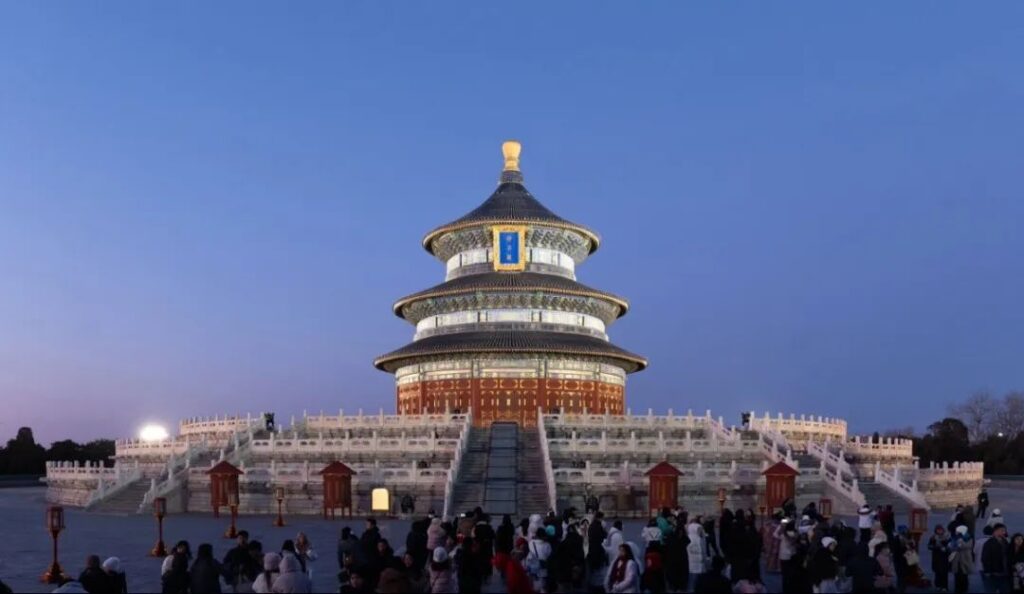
(571, 552)
(246, 567)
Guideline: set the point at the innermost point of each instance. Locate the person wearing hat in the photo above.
(995, 557)
(264, 582)
(115, 576)
(938, 545)
(995, 518)
(865, 520)
(961, 557)
(824, 566)
(442, 576)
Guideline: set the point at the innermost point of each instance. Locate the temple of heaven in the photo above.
(510, 330)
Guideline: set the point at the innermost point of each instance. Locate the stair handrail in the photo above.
(177, 470)
(848, 487)
(549, 473)
(893, 482)
(453, 467)
(125, 478)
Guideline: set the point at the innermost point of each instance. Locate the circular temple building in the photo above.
(510, 330)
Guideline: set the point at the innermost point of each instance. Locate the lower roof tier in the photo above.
(513, 282)
(511, 341)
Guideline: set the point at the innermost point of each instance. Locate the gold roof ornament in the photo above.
(511, 150)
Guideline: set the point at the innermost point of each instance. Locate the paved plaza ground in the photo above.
(25, 546)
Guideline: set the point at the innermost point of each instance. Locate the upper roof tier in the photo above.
(511, 203)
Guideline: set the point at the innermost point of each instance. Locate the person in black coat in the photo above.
(416, 542)
(995, 561)
(239, 564)
(177, 580)
(938, 545)
(569, 553)
(93, 579)
(204, 577)
(677, 561)
(862, 569)
(505, 535)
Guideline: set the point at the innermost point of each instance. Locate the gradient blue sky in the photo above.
(210, 207)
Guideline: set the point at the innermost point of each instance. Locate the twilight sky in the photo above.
(210, 207)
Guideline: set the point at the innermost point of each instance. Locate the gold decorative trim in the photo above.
(595, 241)
(397, 308)
(496, 233)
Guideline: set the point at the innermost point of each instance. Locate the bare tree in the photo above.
(1009, 417)
(978, 413)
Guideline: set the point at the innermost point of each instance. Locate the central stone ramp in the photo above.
(502, 470)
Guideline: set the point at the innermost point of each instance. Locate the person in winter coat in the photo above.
(1017, 562)
(264, 583)
(238, 564)
(435, 534)
(597, 554)
(516, 579)
(204, 576)
(624, 575)
(570, 558)
(368, 543)
(938, 545)
(93, 579)
(504, 536)
(116, 578)
(677, 561)
(995, 557)
(885, 579)
(176, 579)
(654, 568)
(697, 550)
(538, 554)
(789, 560)
(416, 542)
(305, 553)
(292, 579)
(961, 558)
(441, 573)
(651, 532)
(348, 544)
(415, 573)
(983, 503)
(614, 538)
(995, 518)
(824, 566)
(865, 520)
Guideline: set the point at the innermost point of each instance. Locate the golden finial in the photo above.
(511, 148)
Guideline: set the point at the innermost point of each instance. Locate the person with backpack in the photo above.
(538, 552)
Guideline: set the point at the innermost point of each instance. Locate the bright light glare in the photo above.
(153, 433)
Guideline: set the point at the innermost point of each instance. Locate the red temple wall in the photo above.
(510, 399)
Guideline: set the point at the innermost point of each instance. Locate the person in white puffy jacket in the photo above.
(624, 575)
(697, 550)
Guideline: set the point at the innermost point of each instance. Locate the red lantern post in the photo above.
(825, 508)
(54, 524)
(159, 510)
(279, 495)
(918, 524)
(232, 532)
